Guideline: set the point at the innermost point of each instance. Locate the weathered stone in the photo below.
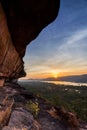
(10, 63)
(1, 82)
(5, 110)
(22, 120)
(20, 22)
(28, 17)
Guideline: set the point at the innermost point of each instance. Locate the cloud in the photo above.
(74, 39)
(77, 36)
(63, 44)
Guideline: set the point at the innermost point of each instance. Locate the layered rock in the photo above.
(20, 22)
(5, 110)
(22, 120)
(10, 63)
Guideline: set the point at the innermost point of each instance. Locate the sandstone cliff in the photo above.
(20, 22)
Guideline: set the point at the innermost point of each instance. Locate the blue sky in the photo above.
(61, 48)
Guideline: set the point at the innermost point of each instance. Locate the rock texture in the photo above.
(22, 120)
(1, 82)
(5, 109)
(15, 115)
(20, 22)
(26, 18)
(11, 64)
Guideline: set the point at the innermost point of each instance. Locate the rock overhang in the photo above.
(21, 21)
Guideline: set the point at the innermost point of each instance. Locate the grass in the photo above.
(72, 98)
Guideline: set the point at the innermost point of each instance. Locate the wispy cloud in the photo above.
(62, 45)
(77, 36)
(74, 39)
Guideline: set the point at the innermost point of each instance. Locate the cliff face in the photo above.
(10, 62)
(26, 18)
(20, 22)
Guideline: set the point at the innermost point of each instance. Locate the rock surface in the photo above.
(28, 17)
(11, 64)
(5, 109)
(21, 118)
(20, 22)
(1, 82)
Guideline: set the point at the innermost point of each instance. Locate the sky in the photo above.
(61, 48)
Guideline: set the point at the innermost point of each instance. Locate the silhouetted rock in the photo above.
(20, 22)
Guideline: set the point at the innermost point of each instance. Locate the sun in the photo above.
(55, 74)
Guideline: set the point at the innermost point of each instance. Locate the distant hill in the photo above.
(73, 78)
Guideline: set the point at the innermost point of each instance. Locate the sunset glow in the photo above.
(61, 48)
(55, 74)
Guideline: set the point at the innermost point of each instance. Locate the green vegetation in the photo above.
(73, 98)
(33, 107)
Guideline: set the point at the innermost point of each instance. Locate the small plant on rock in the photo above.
(33, 107)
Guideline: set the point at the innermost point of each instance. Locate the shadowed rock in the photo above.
(20, 22)
(22, 120)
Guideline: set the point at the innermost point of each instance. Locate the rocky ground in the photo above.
(20, 110)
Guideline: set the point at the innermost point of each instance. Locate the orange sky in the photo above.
(61, 48)
(54, 74)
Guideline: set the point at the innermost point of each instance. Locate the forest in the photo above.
(72, 98)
